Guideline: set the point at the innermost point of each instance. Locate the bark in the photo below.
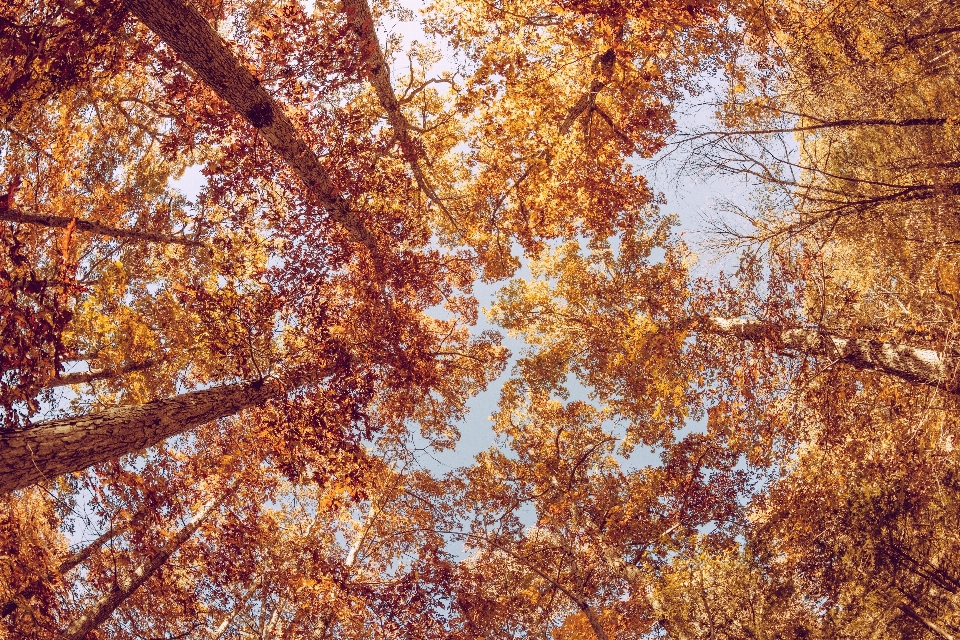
(189, 34)
(624, 569)
(115, 530)
(603, 64)
(360, 19)
(75, 559)
(272, 622)
(926, 622)
(913, 364)
(99, 374)
(585, 102)
(595, 623)
(905, 193)
(123, 588)
(55, 447)
(62, 222)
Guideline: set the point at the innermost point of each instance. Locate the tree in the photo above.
(127, 585)
(865, 99)
(72, 444)
(304, 329)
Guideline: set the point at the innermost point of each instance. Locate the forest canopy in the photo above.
(218, 411)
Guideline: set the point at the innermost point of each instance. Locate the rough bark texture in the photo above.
(61, 222)
(360, 19)
(925, 366)
(99, 374)
(585, 102)
(189, 34)
(51, 448)
(97, 613)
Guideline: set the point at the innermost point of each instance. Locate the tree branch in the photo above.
(913, 364)
(360, 19)
(100, 374)
(62, 222)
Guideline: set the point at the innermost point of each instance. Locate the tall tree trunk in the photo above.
(926, 622)
(189, 34)
(79, 557)
(914, 364)
(123, 588)
(62, 222)
(360, 19)
(99, 374)
(48, 449)
(112, 532)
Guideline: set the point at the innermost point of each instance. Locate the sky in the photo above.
(693, 198)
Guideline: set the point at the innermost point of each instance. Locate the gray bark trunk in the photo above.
(62, 222)
(55, 447)
(97, 613)
(914, 364)
(189, 34)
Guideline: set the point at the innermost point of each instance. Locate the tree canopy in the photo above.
(217, 411)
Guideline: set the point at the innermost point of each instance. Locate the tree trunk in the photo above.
(360, 19)
(112, 532)
(99, 374)
(189, 34)
(77, 558)
(123, 588)
(914, 364)
(51, 448)
(62, 222)
(926, 622)
(595, 623)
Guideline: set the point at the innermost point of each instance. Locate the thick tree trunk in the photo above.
(51, 448)
(914, 364)
(99, 374)
(189, 34)
(123, 588)
(62, 222)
